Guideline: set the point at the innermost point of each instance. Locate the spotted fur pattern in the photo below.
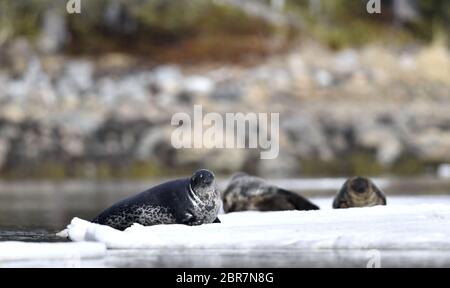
(169, 203)
(206, 203)
(144, 215)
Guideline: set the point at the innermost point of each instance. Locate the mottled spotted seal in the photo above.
(359, 192)
(246, 192)
(190, 201)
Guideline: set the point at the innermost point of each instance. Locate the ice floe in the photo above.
(400, 227)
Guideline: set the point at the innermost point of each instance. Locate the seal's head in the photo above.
(359, 192)
(359, 185)
(202, 180)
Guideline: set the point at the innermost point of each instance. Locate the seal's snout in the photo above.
(359, 184)
(202, 177)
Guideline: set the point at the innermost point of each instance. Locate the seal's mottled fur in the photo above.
(190, 201)
(246, 192)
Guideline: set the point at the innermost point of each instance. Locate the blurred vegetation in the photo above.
(57, 171)
(342, 23)
(151, 25)
(20, 18)
(357, 163)
(206, 27)
(199, 28)
(364, 163)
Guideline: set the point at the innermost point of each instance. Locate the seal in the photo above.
(359, 192)
(189, 201)
(246, 192)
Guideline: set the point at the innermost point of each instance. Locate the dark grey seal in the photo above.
(190, 201)
(359, 192)
(246, 192)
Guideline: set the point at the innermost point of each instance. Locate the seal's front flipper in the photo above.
(217, 220)
(187, 218)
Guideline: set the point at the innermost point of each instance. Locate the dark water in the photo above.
(50, 206)
(35, 211)
(29, 235)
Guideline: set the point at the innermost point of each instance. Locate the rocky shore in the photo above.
(371, 111)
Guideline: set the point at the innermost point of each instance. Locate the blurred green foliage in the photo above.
(336, 23)
(358, 163)
(197, 17)
(150, 27)
(362, 162)
(57, 171)
(342, 23)
(435, 19)
(21, 17)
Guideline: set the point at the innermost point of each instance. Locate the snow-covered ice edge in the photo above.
(399, 227)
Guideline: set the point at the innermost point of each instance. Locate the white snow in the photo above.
(15, 250)
(393, 201)
(397, 227)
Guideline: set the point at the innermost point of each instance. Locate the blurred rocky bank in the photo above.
(370, 110)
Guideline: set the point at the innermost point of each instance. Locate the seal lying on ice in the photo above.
(246, 192)
(190, 201)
